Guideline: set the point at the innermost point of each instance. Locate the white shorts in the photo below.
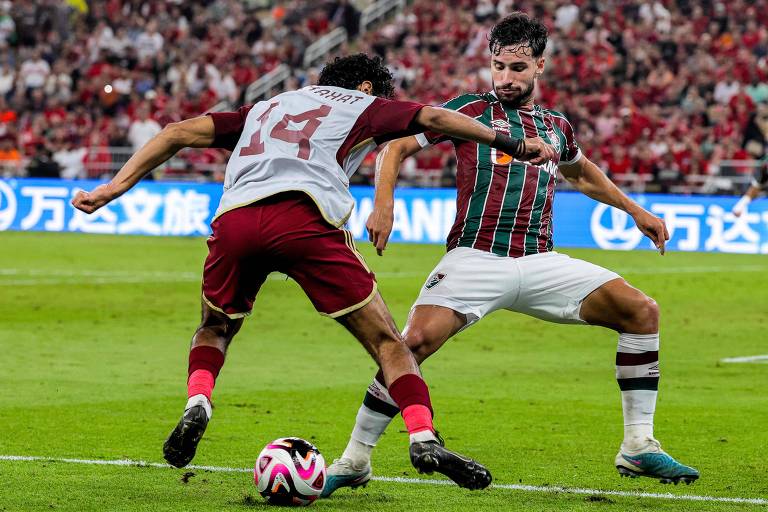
(549, 286)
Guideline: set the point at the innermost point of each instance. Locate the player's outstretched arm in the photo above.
(741, 206)
(197, 132)
(460, 126)
(388, 161)
(587, 178)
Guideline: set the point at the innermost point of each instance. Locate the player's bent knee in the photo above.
(218, 324)
(420, 343)
(643, 317)
(651, 312)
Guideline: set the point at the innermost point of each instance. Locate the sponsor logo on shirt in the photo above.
(500, 124)
(500, 158)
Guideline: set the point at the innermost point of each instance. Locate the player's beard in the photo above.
(520, 99)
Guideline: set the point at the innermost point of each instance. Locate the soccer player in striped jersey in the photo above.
(500, 256)
(284, 202)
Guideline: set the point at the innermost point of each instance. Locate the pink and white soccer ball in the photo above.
(290, 471)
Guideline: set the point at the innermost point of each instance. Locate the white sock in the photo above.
(197, 400)
(638, 406)
(369, 426)
(359, 453)
(637, 367)
(422, 437)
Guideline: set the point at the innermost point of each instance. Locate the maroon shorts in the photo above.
(283, 233)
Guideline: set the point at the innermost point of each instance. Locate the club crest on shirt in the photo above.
(554, 138)
(433, 280)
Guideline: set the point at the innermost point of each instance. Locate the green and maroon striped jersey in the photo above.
(504, 206)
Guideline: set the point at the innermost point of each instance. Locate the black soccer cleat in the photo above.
(179, 449)
(432, 456)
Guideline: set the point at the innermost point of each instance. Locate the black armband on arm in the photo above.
(513, 147)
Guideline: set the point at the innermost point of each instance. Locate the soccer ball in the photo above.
(290, 471)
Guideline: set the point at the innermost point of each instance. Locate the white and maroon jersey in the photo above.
(311, 140)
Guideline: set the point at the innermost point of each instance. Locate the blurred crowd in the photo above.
(662, 94)
(78, 79)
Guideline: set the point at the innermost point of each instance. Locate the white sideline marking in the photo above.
(513, 487)
(746, 359)
(35, 277)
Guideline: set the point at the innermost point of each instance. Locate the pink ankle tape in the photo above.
(418, 418)
(200, 382)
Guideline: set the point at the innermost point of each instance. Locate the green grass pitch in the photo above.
(94, 333)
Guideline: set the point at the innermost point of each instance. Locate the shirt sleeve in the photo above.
(430, 138)
(571, 152)
(390, 119)
(228, 126)
(468, 104)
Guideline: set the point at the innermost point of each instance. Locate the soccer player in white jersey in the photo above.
(285, 200)
(500, 256)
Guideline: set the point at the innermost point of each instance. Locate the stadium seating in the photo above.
(665, 96)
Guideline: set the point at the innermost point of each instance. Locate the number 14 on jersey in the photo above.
(280, 131)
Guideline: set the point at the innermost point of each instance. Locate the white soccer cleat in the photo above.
(343, 473)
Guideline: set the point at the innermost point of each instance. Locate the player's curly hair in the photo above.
(349, 72)
(518, 30)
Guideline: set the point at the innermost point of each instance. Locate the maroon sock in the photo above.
(410, 389)
(204, 365)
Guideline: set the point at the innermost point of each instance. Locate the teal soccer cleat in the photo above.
(653, 462)
(343, 473)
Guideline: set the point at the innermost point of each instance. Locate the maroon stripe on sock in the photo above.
(410, 389)
(206, 358)
(624, 359)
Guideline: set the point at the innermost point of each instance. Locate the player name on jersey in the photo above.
(335, 95)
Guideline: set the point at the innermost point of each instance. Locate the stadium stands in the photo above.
(662, 94)
(666, 96)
